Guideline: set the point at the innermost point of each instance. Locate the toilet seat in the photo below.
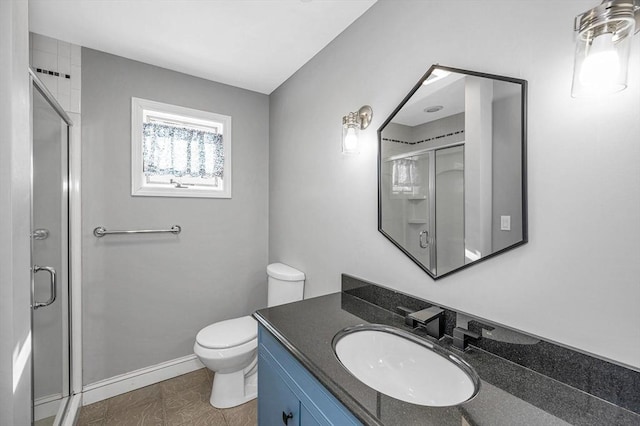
(228, 333)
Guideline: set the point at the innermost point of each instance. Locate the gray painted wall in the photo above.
(15, 196)
(507, 191)
(584, 185)
(146, 297)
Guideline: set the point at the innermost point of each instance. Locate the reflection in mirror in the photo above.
(452, 169)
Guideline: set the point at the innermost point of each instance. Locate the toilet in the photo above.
(230, 348)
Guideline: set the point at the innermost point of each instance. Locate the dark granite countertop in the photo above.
(510, 394)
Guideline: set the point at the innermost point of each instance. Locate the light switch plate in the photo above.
(505, 223)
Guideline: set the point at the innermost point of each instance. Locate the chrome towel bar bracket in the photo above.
(100, 231)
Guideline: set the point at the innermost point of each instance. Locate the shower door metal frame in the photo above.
(69, 387)
(433, 177)
(433, 236)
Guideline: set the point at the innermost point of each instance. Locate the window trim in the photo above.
(139, 186)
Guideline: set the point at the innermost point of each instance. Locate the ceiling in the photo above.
(252, 44)
(447, 92)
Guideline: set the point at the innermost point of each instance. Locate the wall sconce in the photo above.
(602, 47)
(352, 123)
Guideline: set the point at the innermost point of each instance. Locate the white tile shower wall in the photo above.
(49, 57)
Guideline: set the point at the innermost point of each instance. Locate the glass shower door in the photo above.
(449, 192)
(50, 260)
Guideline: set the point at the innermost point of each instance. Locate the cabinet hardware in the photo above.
(286, 417)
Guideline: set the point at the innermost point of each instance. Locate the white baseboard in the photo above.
(47, 406)
(124, 383)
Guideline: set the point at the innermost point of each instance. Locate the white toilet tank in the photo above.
(286, 284)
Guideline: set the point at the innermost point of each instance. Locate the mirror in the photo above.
(452, 170)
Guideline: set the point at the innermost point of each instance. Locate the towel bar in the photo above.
(100, 231)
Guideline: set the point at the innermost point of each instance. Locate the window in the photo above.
(179, 152)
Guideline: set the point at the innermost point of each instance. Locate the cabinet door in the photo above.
(306, 418)
(316, 404)
(277, 404)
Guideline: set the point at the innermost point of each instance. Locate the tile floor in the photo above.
(183, 400)
(45, 422)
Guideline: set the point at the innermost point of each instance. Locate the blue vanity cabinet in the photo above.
(307, 419)
(289, 395)
(275, 398)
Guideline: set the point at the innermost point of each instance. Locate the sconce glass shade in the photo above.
(602, 48)
(352, 123)
(350, 143)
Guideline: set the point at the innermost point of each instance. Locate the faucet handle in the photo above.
(461, 337)
(477, 326)
(405, 312)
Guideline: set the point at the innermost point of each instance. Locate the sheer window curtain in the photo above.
(180, 151)
(405, 175)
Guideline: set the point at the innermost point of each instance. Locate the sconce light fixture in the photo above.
(352, 123)
(602, 47)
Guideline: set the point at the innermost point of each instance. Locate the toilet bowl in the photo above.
(229, 348)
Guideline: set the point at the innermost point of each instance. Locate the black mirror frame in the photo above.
(525, 225)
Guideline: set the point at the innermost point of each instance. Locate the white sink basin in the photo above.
(404, 366)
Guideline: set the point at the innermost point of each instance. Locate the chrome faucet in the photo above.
(431, 319)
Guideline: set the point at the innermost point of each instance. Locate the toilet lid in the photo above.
(228, 333)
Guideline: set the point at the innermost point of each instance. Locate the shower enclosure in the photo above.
(430, 231)
(50, 257)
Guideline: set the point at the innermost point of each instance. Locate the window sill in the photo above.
(189, 192)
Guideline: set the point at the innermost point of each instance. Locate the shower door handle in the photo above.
(423, 236)
(40, 234)
(52, 283)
